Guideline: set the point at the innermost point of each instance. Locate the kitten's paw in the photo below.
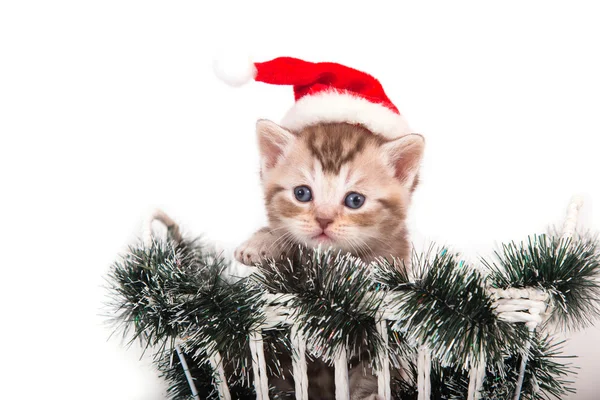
(259, 247)
(249, 254)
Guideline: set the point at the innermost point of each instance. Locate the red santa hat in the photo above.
(324, 92)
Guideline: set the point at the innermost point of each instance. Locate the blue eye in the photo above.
(303, 193)
(354, 200)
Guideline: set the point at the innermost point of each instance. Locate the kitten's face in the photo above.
(338, 185)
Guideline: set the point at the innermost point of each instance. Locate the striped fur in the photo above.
(335, 159)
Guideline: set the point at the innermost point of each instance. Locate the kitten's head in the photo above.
(339, 185)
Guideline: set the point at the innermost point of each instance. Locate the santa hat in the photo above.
(324, 92)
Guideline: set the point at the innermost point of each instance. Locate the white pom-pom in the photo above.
(234, 70)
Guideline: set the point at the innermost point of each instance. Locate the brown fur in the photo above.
(273, 190)
(334, 145)
(335, 159)
(330, 153)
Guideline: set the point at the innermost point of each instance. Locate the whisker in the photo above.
(281, 239)
(386, 244)
(362, 245)
(355, 250)
(369, 247)
(285, 240)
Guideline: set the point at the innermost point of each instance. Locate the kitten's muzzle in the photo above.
(324, 222)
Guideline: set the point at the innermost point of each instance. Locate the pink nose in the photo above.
(323, 222)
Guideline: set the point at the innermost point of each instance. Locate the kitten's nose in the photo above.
(323, 222)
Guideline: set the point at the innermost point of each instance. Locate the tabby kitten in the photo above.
(336, 185)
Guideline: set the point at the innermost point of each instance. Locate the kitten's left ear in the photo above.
(405, 154)
(273, 142)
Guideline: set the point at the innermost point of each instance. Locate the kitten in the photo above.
(336, 185)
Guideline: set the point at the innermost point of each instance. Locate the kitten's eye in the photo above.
(354, 200)
(303, 193)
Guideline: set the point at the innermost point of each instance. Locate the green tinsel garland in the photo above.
(171, 292)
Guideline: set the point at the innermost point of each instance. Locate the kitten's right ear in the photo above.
(405, 154)
(273, 141)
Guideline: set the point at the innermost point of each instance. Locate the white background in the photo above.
(109, 109)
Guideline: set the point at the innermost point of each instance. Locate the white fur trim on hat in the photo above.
(334, 106)
(234, 70)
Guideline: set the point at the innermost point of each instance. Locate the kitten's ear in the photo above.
(273, 141)
(405, 154)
